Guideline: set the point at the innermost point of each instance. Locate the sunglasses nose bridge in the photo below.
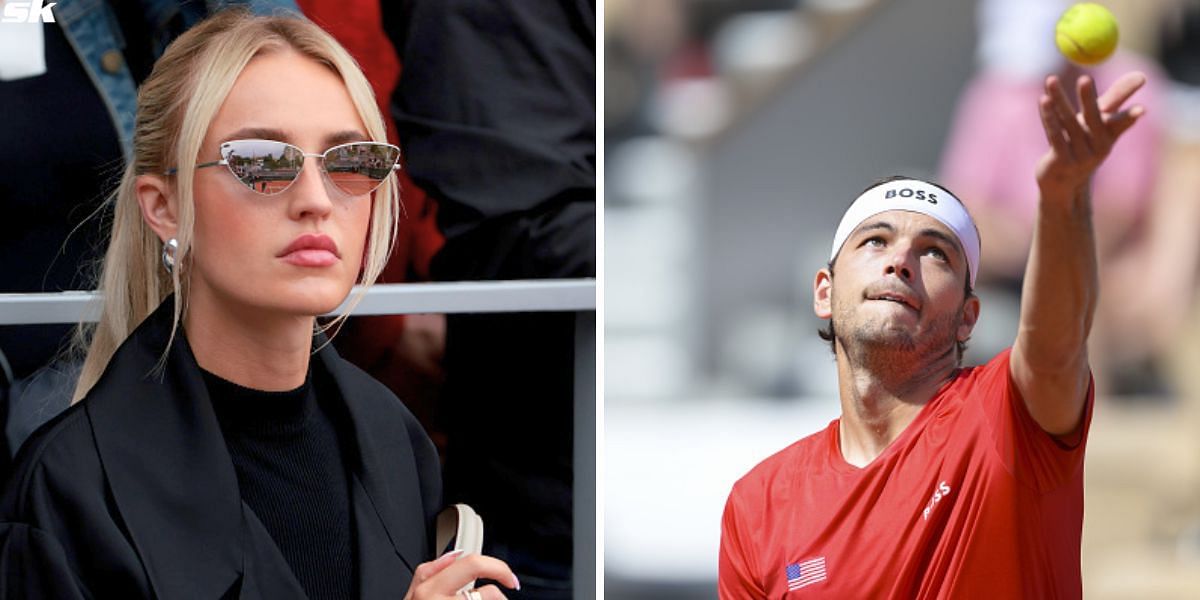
(319, 160)
(321, 175)
(300, 172)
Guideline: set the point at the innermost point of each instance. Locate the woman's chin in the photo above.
(311, 298)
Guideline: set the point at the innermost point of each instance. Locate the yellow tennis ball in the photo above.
(1086, 34)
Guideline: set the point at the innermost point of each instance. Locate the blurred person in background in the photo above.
(995, 133)
(73, 82)
(651, 45)
(640, 40)
(1175, 252)
(496, 111)
(219, 446)
(1167, 299)
(959, 482)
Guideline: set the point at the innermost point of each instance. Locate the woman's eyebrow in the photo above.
(346, 136)
(270, 133)
(259, 133)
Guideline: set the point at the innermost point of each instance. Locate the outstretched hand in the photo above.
(1080, 141)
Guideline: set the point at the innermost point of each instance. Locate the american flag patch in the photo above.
(805, 573)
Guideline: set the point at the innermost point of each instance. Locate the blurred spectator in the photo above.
(496, 110)
(993, 141)
(639, 38)
(1168, 294)
(61, 158)
(1174, 257)
(649, 46)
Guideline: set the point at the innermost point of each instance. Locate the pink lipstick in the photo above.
(311, 250)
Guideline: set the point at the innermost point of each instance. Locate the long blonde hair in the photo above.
(176, 105)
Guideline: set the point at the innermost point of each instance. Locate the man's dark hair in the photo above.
(828, 334)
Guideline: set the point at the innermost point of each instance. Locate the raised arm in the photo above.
(1049, 363)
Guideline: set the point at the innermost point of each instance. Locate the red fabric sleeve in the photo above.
(1035, 458)
(736, 569)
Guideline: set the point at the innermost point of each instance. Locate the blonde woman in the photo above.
(218, 446)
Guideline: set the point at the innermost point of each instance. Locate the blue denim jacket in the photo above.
(93, 31)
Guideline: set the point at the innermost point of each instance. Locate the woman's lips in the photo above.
(311, 250)
(310, 257)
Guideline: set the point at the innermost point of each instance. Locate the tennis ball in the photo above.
(1086, 34)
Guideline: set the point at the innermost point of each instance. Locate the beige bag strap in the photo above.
(463, 525)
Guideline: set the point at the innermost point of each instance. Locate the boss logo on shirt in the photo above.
(911, 193)
(941, 491)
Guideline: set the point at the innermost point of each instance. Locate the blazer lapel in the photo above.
(267, 573)
(382, 572)
(386, 478)
(172, 479)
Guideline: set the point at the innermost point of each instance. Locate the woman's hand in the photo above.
(441, 579)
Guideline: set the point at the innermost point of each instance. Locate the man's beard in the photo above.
(884, 347)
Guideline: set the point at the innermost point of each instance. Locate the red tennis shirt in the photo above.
(972, 500)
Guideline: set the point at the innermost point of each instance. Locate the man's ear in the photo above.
(160, 211)
(823, 294)
(970, 316)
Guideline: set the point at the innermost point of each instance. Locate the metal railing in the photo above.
(380, 299)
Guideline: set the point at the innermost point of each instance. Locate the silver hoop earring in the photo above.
(170, 247)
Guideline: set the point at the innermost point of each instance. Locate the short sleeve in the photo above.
(735, 572)
(1035, 458)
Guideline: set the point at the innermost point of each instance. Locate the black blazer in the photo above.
(131, 493)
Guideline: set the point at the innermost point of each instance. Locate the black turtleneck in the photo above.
(292, 474)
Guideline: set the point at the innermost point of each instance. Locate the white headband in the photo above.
(915, 196)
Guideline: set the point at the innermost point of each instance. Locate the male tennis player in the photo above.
(939, 481)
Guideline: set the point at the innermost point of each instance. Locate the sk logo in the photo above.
(26, 12)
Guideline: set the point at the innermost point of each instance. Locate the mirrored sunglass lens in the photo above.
(265, 166)
(358, 169)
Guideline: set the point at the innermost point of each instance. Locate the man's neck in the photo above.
(881, 398)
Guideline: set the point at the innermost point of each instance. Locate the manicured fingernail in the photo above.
(452, 554)
(516, 583)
